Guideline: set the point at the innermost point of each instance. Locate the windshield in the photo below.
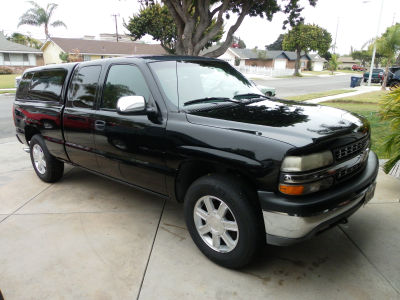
(184, 81)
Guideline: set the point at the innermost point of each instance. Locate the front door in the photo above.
(130, 147)
(79, 113)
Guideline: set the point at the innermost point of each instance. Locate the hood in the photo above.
(292, 122)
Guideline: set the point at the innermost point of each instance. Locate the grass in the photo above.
(7, 92)
(372, 97)
(367, 106)
(318, 95)
(8, 81)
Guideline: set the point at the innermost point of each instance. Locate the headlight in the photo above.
(307, 162)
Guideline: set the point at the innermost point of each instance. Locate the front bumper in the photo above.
(293, 219)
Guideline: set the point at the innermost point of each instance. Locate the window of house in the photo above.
(6, 57)
(25, 58)
(47, 85)
(123, 80)
(86, 57)
(82, 92)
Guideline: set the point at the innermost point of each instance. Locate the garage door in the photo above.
(280, 64)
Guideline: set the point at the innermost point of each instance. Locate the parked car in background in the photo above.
(357, 68)
(376, 76)
(266, 90)
(393, 80)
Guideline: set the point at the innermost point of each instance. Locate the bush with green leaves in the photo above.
(5, 70)
(390, 110)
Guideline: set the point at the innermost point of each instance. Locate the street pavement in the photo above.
(7, 128)
(86, 237)
(305, 85)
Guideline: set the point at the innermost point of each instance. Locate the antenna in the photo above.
(116, 24)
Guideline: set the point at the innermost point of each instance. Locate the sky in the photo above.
(356, 20)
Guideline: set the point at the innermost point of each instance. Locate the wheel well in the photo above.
(191, 171)
(30, 132)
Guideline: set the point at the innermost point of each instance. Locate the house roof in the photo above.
(254, 54)
(316, 57)
(11, 47)
(101, 47)
(347, 59)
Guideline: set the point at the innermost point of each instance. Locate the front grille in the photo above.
(349, 172)
(352, 149)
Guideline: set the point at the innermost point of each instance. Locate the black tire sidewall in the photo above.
(54, 168)
(237, 198)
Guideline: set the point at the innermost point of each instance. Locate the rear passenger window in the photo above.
(123, 80)
(82, 92)
(47, 85)
(23, 86)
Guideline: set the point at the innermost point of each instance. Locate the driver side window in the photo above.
(123, 80)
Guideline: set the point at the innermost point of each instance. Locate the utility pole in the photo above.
(374, 50)
(116, 24)
(334, 45)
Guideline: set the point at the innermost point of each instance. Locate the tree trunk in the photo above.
(297, 63)
(46, 31)
(386, 75)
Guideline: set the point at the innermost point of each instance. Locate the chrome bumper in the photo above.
(283, 229)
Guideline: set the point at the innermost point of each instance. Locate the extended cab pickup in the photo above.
(249, 169)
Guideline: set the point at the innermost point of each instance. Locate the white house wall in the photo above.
(17, 59)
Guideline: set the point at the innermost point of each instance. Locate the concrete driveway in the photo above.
(89, 238)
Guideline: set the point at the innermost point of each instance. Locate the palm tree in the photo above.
(390, 110)
(38, 16)
(388, 45)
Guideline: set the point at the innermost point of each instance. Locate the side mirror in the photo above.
(131, 105)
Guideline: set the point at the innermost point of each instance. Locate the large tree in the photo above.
(277, 45)
(38, 16)
(306, 37)
(388, 45)
(156, 21)
(199, 22)
(24, 40)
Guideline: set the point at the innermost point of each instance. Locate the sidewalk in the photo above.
(87, 237)
(357, 91)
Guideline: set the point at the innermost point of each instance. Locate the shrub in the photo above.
(5, 70)
(390, 110)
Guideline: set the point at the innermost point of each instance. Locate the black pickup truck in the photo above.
(249, 169)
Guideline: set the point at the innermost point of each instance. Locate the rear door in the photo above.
(130, 147)
(79, 116)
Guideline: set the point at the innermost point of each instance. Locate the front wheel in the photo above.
(46, 166)
(223, 220)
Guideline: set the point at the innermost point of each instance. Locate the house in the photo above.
(318, 62)
(277, 62)
(346, 62)
(90, 49)
(18, 57)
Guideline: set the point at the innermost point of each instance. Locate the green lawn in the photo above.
(7, 92)
(318, 95)
(8, 81)
(367, 106)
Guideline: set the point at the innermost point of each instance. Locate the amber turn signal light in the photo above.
(291, 189)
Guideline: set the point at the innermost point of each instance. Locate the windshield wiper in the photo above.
(210, 99)
(250, 95)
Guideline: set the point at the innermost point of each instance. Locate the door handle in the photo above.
(99, 125)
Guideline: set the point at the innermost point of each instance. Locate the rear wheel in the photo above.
(224, 221)
(46, 166)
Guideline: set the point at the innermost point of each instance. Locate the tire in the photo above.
(232, 248)
(365, 80)
(46, 166)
